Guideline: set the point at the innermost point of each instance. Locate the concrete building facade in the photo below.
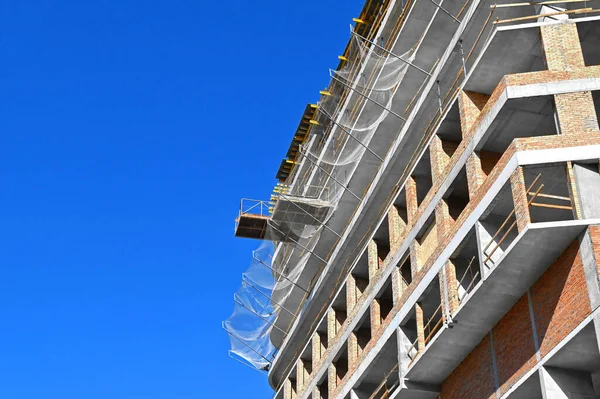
(470, 267)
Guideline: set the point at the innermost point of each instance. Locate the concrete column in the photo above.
(519, 194)
(375, 315)
(449, 291)
(562, 50)
(288, 391)
(396, 227)
(331, 380)
(415, 257)
(317, 350)
(574, 191)
(420, 326)
(398, 285)
(412, 205)
(470, 105)
(300, 372)
(332, 326)
(353, 350)
(584, 185)
(350, 293)
(440, 153)
(443, 220)
(559, 383)
(373, 259)
(475, 174)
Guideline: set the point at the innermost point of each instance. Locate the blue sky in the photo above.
(130, 130)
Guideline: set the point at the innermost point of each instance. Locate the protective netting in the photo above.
(348, 115)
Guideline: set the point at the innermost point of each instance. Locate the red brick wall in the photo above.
(560, 302)
(560, 299)
(513, 342)
(474, 377)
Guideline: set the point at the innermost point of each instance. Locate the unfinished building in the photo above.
(435, 232)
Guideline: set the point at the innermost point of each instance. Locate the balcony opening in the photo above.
(322, 333)
(293, 385)
(427, 241)
(382, 239)
(340, 309)
(323, 387)
(549, 197)
(492, 62)
(408, 330)
(450, 130)
(360, 273)
(530, 388)
(382, 380)
(362, 333)
(385, 299)
(432, 310)
(423, 177)
(405, 270)
(307, 364)
(497, 228)
(341, 364)
(589, 35)
(465, 261)
(518, 118)
(457, 196)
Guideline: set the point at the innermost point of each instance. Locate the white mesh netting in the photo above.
(348, 115)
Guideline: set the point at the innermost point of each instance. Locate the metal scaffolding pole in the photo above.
(343, 129)
(390, 53)
(445, 11)
(328, 174)
(332, 75)
(276, 272)
(257, 315)
(247, 281)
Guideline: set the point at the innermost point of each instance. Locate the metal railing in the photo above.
(386, 385)
(512, 226)
(254, 207)
(468, 271)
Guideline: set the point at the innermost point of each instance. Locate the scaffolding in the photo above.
(332, 137)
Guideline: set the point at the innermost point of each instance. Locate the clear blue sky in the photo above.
(130, 130)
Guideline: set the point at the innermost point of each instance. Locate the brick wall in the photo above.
(562, 51)
(560, 302)
(513, 343)
(473, 109)
(560, 299)
(474, 377)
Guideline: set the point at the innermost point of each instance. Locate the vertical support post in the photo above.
(373, 258)
(420, 327)
(519, 194)
(562, 50)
